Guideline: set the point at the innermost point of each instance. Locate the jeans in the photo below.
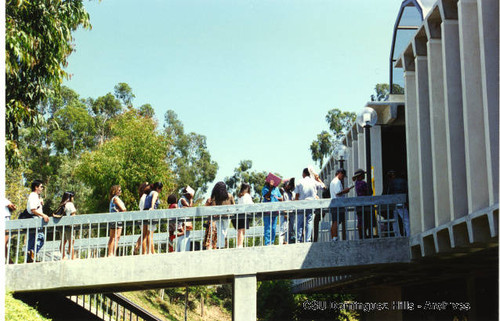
(403, 215)
(309, 225)
(270, 234)
(291, 227)
(184, 242)
(38, 237)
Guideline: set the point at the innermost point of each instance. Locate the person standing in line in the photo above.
(398, 185)
(34, 207)
(219, 196)
(241, 223)
(337, 190)
(9, 208)
(144, 191)
(172, 227)
(115, 231)
(270, 193)
(286, 226)
(151, 203)
(365, 214)
(306, 189)
(69, 210)
(183, 238)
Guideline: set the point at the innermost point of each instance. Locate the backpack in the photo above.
(59, 212)
(24, 215)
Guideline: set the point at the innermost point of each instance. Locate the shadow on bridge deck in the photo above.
(130, 273)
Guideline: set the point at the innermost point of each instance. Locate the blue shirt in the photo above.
(275, 193)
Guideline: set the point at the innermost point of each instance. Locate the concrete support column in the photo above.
(472, 95)
(376, 151)
(245, 298)
(361, 150)
(488, 44)
(454, 119)
(425, 173)
(438, 132)
(412, 152)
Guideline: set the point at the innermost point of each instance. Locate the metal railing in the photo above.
(206, 227)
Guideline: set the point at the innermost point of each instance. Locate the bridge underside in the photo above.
(131, 273)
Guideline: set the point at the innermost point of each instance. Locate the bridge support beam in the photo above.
(245, 297)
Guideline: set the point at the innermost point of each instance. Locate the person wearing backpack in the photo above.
(67, 208)
(34, 207)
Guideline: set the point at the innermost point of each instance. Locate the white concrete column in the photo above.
(361, 150)
(426, 178)
(488, 44)
(376, 151)
(472, 95)
(454, 119)
(245, 297)
(438, 131)
(412, 153)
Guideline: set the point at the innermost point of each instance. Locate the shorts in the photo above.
(240, 221)
(115, 225)
(337, 214)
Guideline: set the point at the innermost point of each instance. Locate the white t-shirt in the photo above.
(34, 203)
(335, 188)
(142, 201)
(307, 188)
(245, 199)
(69, 208)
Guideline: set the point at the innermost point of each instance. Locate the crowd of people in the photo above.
(294, 226)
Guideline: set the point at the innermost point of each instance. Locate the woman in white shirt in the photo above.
(68, 231)
(242, 223)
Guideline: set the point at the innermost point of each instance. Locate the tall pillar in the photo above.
(488, 44)
(361, 149)
(454, 117)
(376, 151)
(438, 129)
(426, 178)
(412, 152)
(245, 297)
(472, 95)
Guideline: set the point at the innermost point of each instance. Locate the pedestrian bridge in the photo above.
(94, 272)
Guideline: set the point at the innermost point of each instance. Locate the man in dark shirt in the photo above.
(398, 185)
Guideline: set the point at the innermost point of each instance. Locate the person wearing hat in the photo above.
(337, 190)
(183, 237)
(366, 215)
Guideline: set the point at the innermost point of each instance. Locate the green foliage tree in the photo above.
(275, 300)
(192, 163)
(147, 110)
(382, 91)
(243, 173)
(38, 41)
(104, 109)
(136, 153)
(339, 122)
(124, 93)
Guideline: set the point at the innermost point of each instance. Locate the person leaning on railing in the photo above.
(219, 196)
(115, 231)
(144, 190)
(337, 190)
(34, 207)
(185, 228)
(365, 214)
(9, 208)
(68, 209)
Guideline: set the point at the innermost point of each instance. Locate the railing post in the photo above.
(245, 297)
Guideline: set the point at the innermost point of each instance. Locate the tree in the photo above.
(104, 108)
(124, 93)
(382, 91)
(192, 163)
(243, 173)
(38, 41)
(339, 122)
(147, 110)
(136, 153)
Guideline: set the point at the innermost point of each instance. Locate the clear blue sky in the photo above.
(255, 77)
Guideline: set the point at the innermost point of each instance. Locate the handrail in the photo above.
(299, 221)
